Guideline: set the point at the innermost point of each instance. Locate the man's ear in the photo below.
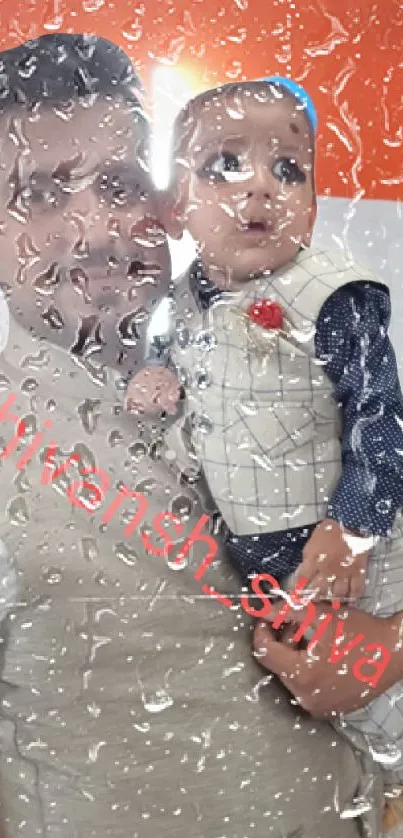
(171, 214)
(311, 223)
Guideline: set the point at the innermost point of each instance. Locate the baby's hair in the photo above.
(59, 68)
(187, 118)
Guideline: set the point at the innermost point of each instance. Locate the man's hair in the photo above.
(60, 67)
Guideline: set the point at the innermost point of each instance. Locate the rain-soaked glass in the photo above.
(201, 421)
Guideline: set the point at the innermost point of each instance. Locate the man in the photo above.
(129, 706)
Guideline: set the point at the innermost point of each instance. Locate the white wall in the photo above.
(373, 232)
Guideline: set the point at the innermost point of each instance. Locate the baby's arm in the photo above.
(353, 343)
(334, 562)
(156, 387)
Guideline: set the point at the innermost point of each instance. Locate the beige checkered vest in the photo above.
(266, 428)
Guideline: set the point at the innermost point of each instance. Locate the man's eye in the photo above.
(117, 193)
(36, 194)
(287, 170)
(112, 190)
(225, 167)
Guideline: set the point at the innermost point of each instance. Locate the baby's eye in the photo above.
(287, 170)
(224, 167)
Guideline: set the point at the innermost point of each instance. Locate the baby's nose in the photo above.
(259, 184)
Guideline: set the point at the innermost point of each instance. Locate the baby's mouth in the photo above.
(255, 226)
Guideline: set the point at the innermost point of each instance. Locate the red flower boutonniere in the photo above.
(267, 314)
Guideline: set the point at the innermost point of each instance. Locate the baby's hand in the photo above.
(153, 390)
(331, 563)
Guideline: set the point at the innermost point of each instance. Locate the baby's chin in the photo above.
(247, 270)
(248, 266)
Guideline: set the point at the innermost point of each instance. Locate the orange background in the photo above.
(349, 59)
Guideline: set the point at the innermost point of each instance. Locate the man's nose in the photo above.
(97, 222)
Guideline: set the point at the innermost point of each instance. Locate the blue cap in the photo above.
(299, 93)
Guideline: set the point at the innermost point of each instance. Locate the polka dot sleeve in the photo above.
(353, 342)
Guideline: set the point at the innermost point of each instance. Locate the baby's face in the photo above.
(82, 252)
(245, 183)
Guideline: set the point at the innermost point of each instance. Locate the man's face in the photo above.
(82, 253)
(245, 183)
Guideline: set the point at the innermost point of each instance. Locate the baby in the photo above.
(284, 340)
(292, 394)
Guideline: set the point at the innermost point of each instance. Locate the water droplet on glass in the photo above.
(206, 340)
(248, 405)
(89, 549)
(239, 37)
(85, 455)
(89, 497)
(47, 282)
(29, 385)
(125, 553)
(156, 449)
(184, 337)
(80, 283)
(216, 524)
(4, 85)
(92, 5)
(388, 754)
(383, 506)
(17, 511)
(52, 576)
(27, 66)
(138, 450)
(5, 383)
(181, 506)
(94, 710)
(37, 361)
(144, 727)
(175, 563)
(56, 20)
(202, 379)
(17, 206)
(146, 486)
(30, 425)
(359, 806)
(129, 327)
(28, 255)
(115, 438)
(132, 30)
(89, 414)
(87, 46)
(203, 423)
(93, 751)
(255, 691)
(157, 702)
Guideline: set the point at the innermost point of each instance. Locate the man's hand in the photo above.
(153, 390)
(331, 564)
(323, 679)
